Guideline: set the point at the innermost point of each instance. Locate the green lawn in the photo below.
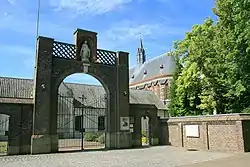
(3, 147)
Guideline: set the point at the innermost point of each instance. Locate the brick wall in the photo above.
(216, 132)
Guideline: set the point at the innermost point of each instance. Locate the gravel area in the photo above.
(161, 156)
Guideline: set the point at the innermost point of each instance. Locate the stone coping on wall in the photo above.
(16, 100)
(206, 118)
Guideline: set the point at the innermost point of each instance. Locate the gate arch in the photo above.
(54, 62)
(4, 129)
(81, 116)
(19, 127)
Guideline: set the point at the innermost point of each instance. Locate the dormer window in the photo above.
(161, 66)
(145, 72)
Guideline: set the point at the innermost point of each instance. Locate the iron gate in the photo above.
(81, 123)
(4, 126)
(145, 131)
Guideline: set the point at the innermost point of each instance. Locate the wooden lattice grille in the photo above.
(64, 50)
(68, 51)
(106, 57)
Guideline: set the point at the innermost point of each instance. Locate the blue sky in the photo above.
(118, 23)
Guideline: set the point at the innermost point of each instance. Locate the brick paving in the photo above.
(162, 156)
(239, 160)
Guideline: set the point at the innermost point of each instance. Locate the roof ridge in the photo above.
(82, 84)
(29, 79)
(152, 59)
(157, 57)
(142, 90)
(16, 78)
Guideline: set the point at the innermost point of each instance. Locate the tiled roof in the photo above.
(22, 88)
(163, 64)
(131, 71)
(16, 87)
(94, 96)
(145, 97)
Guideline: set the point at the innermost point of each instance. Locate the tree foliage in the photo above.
(213, 64)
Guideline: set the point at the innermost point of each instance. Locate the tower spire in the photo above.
(141, 46)
(141, 57)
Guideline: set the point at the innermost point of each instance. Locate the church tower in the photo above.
(141, 57)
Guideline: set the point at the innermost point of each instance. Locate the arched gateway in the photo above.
(54, 62)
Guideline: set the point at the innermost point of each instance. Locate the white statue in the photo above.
(85, 52)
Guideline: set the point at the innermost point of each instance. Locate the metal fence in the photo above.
(81, 126)
(4, 129)
(145, 131)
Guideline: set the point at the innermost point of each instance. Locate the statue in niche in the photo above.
(85, 52)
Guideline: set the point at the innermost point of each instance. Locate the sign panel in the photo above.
(192, 130)
(132, 120)
(124, 123)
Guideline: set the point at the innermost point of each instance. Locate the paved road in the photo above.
(164, 156)
(240, 160)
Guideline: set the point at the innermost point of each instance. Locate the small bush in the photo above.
(91, 136)
(144, 134)
(144, 140)
(101, 139)
(246, 110)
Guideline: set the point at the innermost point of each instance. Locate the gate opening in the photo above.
(4, 129)
(145, 131)
(81, 114)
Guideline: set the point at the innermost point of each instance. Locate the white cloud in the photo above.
(26, 24)
(12, 2)
(90, 7)
(125, 32)
(131, 32)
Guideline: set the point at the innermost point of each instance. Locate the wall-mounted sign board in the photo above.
(132, 120)
(124, 123)
(192, 130)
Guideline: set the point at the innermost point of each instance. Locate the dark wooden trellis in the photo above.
(68, 51)
(106, 57)
(64, 50)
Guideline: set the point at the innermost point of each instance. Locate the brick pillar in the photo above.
(124, 138)
(26, 129)
(119, 97)
(239, 134)
(204, 130)
(14, 134)
(41, 139)
(154, 129)
(110, 141)
(180, 125)
(137, 130)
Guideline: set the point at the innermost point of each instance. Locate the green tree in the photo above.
(196, 84)
(215, 60)
(173, 106)
(234, 42)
